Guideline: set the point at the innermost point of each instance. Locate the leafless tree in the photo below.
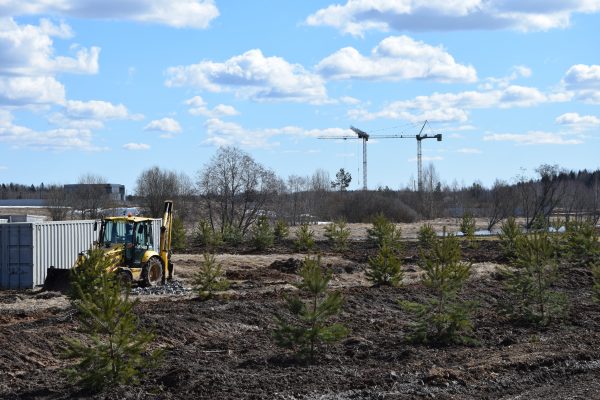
(235, 188)
(501, 203)
(297, 187)
(320, 181)
(90, 197)
(156, 185)
(56, 200)
(432, 191)
(540, 198)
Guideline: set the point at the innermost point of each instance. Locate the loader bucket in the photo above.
(57, 280)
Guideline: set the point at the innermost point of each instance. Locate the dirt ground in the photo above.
(223, 348)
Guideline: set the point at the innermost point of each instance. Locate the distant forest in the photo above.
(552, 192)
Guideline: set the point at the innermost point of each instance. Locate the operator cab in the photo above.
(135, 234)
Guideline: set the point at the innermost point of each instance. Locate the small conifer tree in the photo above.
(509, 234)
(384, 232)
(178, 237)
(210, 278)
(87, 276)
(232, 235)
(338, 233)
(206, 237)
(581, 247)
(305, 238)
(426, 236)
(262, 234)
(306, 326)
(530, 280)
(444, 318)
(385, 268)
(467, 227)
(281, 230)
(114, 348)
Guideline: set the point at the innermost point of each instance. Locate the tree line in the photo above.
(232, 190)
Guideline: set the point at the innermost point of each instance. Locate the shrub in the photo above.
(385, 268)
(581, 246)
(262, 234)
(307, 326)
(426, 236)
(178, 237)
(444, 318)
(210, 278)
(509, 234)
(384, 232)
(338, 233)
(530, 280)
(281, 230)
(112, 352)
(305, 238)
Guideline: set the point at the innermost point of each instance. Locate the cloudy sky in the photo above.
(115, 87)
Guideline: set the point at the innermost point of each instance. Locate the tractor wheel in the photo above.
(152, 272)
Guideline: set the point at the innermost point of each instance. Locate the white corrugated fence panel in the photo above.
(58, 243)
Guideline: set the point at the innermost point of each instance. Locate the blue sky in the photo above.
(115, 87)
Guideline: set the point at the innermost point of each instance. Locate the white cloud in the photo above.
(222, 133)
(90, 114)
(176, 13)
(468, 150)
(582, 76)
(252, 75)
(95, 109)
(358, 16)
(349, 100)
(24, 91)
(165, 125)
(27, 50)
(54, 139)
(396, 58)
(584, 82)
(576, 119)
(449, 107)
(136, 146)
(199, 107)
(3, 168)
(531, 138)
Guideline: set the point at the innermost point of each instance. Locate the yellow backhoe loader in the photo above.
(128, 242)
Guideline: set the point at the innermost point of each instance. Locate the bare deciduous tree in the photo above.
(155, 185)
(90, 196)
(234, 188)
(56, 200)
(501, 203)
(540, 198)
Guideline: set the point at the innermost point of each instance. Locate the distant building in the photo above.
(115, 191)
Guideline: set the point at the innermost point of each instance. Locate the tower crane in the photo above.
(365, 138)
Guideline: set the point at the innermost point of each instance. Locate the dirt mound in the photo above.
(289, 266)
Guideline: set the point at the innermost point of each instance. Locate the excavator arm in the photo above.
(165, 240)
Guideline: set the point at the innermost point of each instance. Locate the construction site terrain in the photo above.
(223, 348)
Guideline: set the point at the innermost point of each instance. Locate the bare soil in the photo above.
(223, 348)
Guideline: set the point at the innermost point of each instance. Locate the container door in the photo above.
(16, 256)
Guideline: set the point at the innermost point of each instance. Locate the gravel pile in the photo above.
(170, 288)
